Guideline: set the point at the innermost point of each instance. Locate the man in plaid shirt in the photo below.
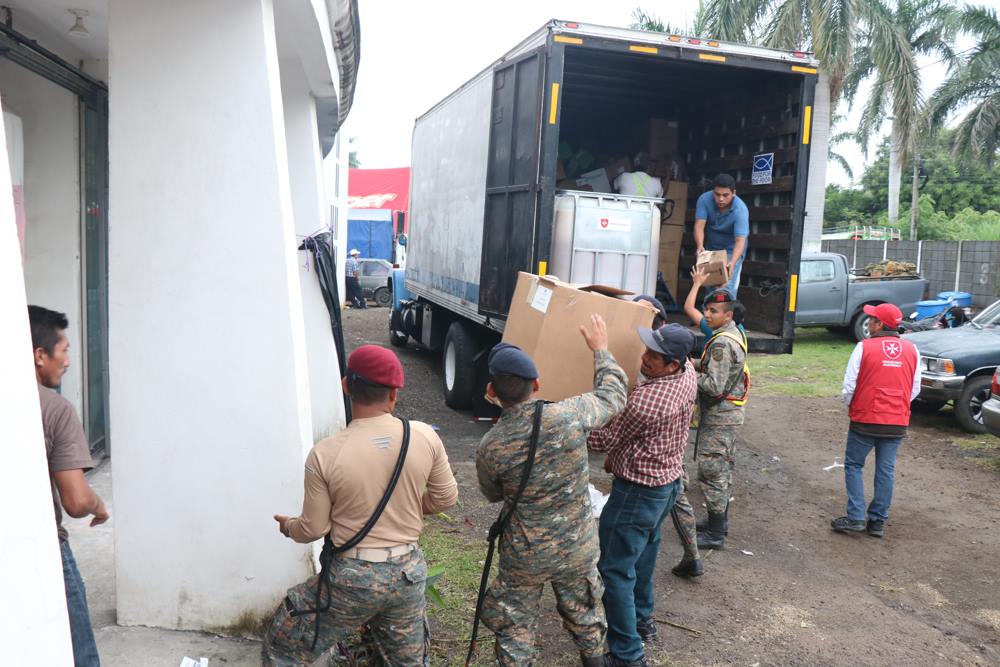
(645, 446)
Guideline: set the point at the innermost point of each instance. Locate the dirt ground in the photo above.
(787, 590)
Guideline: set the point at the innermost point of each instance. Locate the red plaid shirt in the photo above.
(645, 443)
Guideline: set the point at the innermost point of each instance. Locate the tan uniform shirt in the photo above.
(65, 443)
(346, 475)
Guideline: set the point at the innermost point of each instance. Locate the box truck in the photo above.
(513, 171)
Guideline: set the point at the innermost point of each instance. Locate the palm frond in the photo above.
(844, 164)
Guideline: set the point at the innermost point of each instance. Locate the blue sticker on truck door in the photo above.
(763, 167)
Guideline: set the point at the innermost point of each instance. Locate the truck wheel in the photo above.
(926, 407)
(969, 406)
(859, 327)
(397, 336)
(382, 297)
(458, 372)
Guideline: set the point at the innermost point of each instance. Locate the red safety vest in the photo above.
(885, 381)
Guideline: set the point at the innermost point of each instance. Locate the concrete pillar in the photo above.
(336, 168)
(209, 387)
(812, 234)
(312, 213)
(33, 618)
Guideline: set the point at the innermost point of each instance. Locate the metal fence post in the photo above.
(920, 248)
(885, 250)
(958, 265)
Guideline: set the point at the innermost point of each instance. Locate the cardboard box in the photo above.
(596, 179)
(572, 184)
(677, 192)
(659, 138)
(668, 263)
(716, 263)
(544, 320)
(616, 167)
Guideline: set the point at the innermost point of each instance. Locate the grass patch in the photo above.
(451, 623)
(815, 367)
(976, 442)
(990, 464)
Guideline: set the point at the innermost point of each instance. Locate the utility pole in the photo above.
(914, 198)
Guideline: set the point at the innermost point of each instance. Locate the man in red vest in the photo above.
(882, 377)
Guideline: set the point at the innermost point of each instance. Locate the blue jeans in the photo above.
(734, 280)
(858, 447)
(630, 541)
(82, 634)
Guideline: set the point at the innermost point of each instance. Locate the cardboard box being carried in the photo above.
(716, 264)
(544, 320)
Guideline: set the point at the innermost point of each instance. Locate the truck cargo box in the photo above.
(485, 160)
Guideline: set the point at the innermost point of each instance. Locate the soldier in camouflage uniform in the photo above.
(552, 537)
(376, 587)
(723, 383)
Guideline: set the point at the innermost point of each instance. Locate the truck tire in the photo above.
(397, 337)
(859, 327)
(458, 373)
(924, 407)
(382, 297)
(969, 406)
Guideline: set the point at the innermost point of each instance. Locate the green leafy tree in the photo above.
(974, 84)
(889, 42)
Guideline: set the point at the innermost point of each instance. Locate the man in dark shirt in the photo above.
(69, 457)
(645, 446)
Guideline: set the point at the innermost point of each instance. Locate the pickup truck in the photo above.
(830, 296)
(958, 365)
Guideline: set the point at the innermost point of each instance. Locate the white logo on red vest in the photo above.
(892, 349)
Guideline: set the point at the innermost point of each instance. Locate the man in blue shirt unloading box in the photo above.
(722, 222)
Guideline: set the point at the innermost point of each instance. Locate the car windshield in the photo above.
(989, 317)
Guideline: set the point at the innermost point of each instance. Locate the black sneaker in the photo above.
(612, 661)
(689, 568)
(876, 528)
(845, 525)
(646, 628)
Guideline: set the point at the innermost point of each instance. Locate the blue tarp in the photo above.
(370, 231)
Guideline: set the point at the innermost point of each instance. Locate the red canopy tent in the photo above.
(387, 189)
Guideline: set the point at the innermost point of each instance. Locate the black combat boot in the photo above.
(592, 660)
(689, 568)
(702, 526)
(715, 536)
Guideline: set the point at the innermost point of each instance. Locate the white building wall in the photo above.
(50, 119)
(336, 170)
(210, 401)
(309, 201)
(34, 626)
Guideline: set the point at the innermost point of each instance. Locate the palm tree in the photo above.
(889, 42)
(841, 138)
(974, 83)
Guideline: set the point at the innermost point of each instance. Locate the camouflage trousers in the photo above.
(384, 602)
(716, 455)
(511, 612)
(686, 523)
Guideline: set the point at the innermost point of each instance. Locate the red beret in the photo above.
(377, 365)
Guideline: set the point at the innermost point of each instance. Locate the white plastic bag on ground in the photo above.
(597, 500)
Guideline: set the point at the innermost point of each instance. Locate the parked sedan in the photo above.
(958, 365)
(991, 408)
(374, 280)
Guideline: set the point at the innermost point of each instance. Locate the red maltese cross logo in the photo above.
(892, 348)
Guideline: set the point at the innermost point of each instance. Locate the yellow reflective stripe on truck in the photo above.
(712, 57)
(804, 70)
(807, 124)
(543, 266)
(567, 40)
(793, 293)
(643, 49)
(554, 108)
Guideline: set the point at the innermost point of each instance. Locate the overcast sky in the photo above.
(415, 53)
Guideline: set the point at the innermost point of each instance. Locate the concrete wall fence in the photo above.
(963, 266)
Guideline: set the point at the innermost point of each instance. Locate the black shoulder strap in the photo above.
(498, 526)
(329, 550)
